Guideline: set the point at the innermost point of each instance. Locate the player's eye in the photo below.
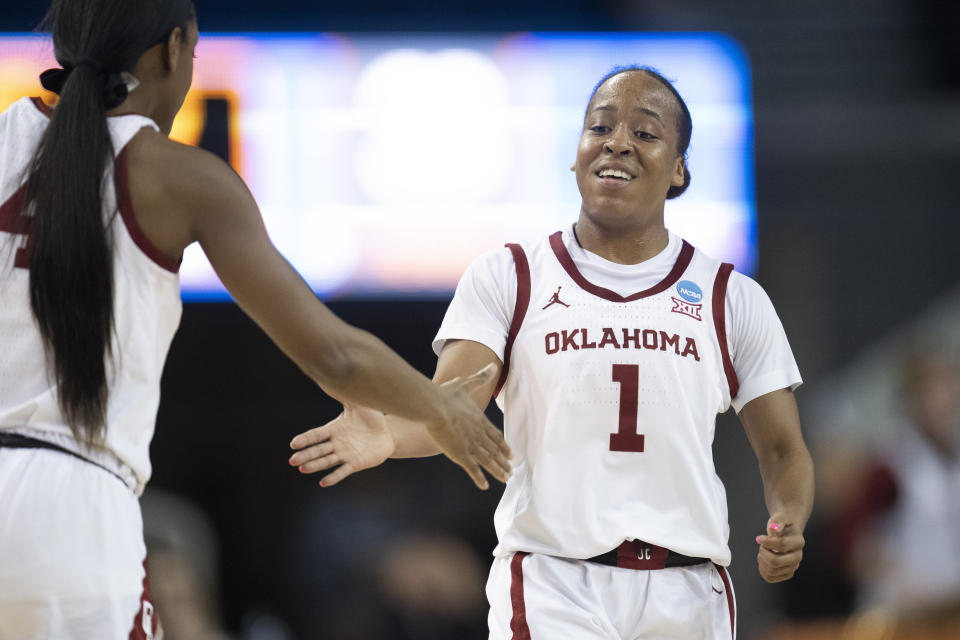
(645, 135)
(600, 128)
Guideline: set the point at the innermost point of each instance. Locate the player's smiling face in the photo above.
(627, 158)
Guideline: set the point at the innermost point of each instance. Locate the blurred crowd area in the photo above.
(364, 563)
(884, 555)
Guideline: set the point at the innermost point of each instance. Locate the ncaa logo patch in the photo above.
(692, 297)
(689, 291)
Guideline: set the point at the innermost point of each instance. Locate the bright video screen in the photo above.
(383, 164)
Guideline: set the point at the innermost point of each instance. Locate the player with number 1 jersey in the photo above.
(627, 386)
(618, 343)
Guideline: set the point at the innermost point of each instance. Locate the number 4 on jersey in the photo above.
(13, 221)
(627, 438)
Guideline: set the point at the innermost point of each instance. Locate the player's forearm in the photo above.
(788, 484)
(410, 439)
(359, 369)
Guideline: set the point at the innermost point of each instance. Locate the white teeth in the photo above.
(614, 173)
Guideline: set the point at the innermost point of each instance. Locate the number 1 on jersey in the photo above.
(627, 438)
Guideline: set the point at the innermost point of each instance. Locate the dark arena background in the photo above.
(856, 143)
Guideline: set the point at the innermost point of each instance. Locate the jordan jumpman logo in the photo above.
(555, 299)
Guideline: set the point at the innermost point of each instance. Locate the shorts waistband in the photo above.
(637, 554)
(105, 460)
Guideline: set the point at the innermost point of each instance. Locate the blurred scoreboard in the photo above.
(383, 164)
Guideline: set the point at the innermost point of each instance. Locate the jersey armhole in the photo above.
(125, 205)
(720, 324)
(519, 309)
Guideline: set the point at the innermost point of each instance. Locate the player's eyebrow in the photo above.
(649, 112)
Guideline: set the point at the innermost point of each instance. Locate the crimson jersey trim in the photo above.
(730, 603)
(125, 205)
(683, 261)
(720, 323)
(137, 631)
(42, 106)
(519, 310)
(518, 624)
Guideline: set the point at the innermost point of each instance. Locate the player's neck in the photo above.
(146, 101)
(622, 246)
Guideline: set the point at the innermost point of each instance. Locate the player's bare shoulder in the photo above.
(181, 171)
(175, 186)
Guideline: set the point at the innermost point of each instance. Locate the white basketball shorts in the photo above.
(71, 551)
(540, 597)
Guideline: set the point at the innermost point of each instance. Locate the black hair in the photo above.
(684, 122)
(70, 247)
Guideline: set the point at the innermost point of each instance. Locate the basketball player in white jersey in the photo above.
(96, 208)
(617, 344)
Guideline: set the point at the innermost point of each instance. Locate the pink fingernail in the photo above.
(775, 526)
(321, 484)
(758, 539)
(300, 468)
(290, 461)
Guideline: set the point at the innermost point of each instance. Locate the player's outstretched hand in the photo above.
(781, 549)
(356, 440)
(466, 436)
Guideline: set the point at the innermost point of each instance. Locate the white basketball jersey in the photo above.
(146, 307)
(610, 404)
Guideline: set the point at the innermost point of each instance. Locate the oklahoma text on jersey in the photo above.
(576, 339)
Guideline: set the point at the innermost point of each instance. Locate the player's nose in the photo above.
(618, 143)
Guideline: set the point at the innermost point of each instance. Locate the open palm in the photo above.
(356, 440)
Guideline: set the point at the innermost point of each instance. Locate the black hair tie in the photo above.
(114, 89)
(54, 79)
(114, 86)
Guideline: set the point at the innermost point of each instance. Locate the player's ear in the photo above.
(679, 172)
(172, 49)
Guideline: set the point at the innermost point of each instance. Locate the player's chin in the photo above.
(612, 212)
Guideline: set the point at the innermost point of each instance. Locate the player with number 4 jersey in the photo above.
(97, 206)
(617, 344)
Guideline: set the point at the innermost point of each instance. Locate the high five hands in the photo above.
(360, 438)
(781, 549)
